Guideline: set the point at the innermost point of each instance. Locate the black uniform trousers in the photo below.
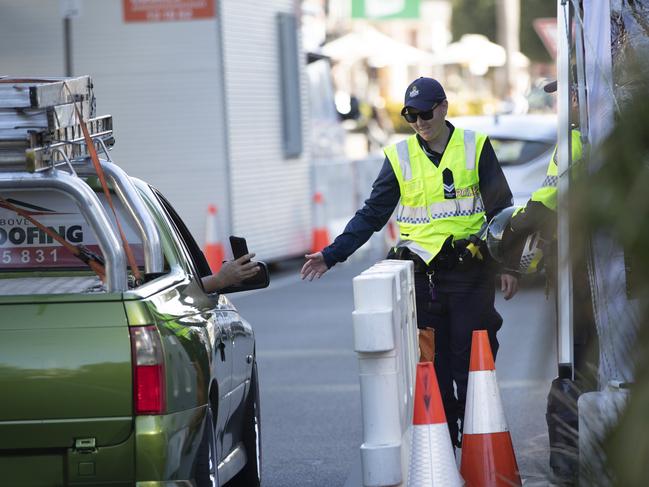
(455, 302)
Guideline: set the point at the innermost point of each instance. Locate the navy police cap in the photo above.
(423, 93)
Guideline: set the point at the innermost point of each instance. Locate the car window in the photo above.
(201, 267)
(513, 152)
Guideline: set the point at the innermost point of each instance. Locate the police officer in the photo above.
(445, 183)
(540, 215)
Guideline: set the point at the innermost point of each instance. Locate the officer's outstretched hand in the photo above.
(508, 285)
(314, 266)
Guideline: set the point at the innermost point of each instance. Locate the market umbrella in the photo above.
(478, 53)
(377, 48)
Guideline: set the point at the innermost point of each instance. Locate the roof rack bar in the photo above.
(69, 140)
(65, 162)
(130, 198)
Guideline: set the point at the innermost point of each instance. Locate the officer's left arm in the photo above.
(534, 216)
(494, 188)
(496, 196)
(540, 211)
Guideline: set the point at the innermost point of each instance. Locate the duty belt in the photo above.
(444, 260)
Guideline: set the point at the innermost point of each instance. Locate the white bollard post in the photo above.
(386, 341)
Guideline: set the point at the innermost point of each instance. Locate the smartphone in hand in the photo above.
(239, 246)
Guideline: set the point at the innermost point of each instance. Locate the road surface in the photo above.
(311, 423)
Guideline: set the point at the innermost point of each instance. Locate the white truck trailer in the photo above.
(210, 100)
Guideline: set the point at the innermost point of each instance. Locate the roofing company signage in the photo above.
(167, 10)
(25, 246)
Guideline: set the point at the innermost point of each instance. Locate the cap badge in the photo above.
(414, 92)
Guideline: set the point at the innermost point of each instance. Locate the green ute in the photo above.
(112, 373)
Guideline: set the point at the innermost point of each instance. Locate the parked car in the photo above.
(110, 375)
(154, 384)
(523, 144)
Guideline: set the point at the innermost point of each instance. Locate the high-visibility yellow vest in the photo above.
(547, 193)
(425, 217)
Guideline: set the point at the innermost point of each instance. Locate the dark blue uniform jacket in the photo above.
(385, 195)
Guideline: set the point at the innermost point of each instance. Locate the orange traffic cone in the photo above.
(487, 453)
(213, 247)
(320, 233)
(432, 461)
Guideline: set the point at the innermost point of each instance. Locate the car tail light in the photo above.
(148, 370)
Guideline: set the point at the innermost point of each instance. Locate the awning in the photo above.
(377, 48)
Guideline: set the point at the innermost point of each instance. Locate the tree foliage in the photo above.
(479, 17)
(615, 200)
(474, 17)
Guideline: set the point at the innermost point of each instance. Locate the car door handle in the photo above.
(220, 345)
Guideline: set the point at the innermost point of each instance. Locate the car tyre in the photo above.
(250, 475)
(207, 473)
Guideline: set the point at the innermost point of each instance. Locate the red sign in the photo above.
(167, 10)
(546, 28)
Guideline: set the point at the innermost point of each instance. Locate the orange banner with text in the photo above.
(167, 10)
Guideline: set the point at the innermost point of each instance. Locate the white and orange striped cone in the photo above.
(320, 238)
(488, 458)
(432, 461)
(213, 247)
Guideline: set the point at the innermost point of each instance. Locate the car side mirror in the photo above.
(258, 281)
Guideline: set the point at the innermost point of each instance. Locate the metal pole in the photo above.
(226, 200)
(581, 75)
(67, 45)
(564, 271)
(508, 26)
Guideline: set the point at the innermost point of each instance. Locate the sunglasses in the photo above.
(426, 115)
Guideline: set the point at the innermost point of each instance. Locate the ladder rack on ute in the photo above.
(42, 148)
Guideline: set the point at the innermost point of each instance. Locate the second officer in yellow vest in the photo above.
(539, 216)
(444, 183)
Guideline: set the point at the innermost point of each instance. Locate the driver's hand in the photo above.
(232, 272)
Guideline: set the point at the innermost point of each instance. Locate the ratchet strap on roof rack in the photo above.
(93, 261)
(102, 178)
